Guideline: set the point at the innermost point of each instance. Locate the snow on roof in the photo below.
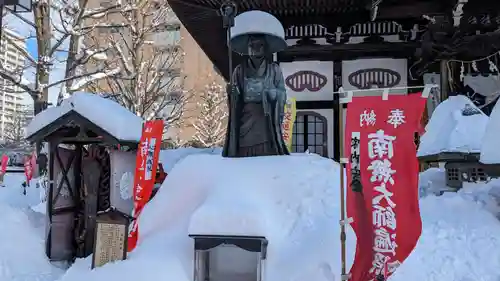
(105, 113)
(456, 125)
(490, 152)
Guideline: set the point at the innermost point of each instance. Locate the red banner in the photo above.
(382, 178)
(33, 161)
(145, 173)
(5, 162)
(28, 169)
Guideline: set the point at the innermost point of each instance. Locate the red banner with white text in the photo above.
(5, 162)
(382, 181)
(145, 173)
(28, 169)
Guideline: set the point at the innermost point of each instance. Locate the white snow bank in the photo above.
(170, 157)
(105, 113)
(12, 192)
(22, 249)
(432, 181)
(40, 208)
(298, 199)
(459, 242)
(490, 152)
(292, 201)
(299, 196)
(449, 130)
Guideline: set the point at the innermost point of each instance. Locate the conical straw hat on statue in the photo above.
(257, 23)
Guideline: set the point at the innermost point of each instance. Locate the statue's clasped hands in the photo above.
(272, 94)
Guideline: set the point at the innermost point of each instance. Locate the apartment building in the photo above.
(190, 72)
(15, 107)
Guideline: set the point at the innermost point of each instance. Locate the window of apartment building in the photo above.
(171, 80)
(174, 96)
(107, 30)
(106, 4)
(12, 57)
(168, 35)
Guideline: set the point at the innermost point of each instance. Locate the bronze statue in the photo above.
(256, 99)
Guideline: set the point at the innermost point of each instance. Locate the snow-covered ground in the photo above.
(293, 201)
(22, 247)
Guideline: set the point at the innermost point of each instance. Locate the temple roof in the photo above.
(203, 20)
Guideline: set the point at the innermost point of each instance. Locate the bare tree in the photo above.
(148, 53)
(211, 123)
(14, 127)
(58, 27)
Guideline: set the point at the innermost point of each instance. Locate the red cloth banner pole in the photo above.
(382, 182)
(145, 173)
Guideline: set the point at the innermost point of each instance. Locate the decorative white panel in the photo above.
(373, 74)
(309, 80)
(122, 180)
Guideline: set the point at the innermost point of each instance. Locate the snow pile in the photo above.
(485, 194)
(107, 114)
(293, 201)
(458, 242)
(170, 157)
(432, 181)
(12, 191)
(456, 125)
(22, 249)
(490, 154)
(22, 245)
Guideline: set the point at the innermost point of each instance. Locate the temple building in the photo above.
(360, 44)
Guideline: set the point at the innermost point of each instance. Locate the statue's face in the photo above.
(256, 46)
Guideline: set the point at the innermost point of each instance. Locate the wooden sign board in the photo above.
(110, 242)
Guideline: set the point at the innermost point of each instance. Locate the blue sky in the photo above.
(31, 45)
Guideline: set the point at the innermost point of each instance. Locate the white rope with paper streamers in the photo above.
(473, 63)
(412, 32)
(385, 92)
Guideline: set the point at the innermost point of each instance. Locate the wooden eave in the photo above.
(203, 21)
(67, 127)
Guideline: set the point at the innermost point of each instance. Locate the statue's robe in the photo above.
(256, 101)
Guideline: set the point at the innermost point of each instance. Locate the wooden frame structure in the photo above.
(76, 195)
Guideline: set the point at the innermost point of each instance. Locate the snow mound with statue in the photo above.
(456, 125)
(291, 200)
(294, 202)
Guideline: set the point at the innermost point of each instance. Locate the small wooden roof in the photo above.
(86, 118)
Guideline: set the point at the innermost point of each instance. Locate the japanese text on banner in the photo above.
(380, 152)
(382, 176)
(145, 173)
